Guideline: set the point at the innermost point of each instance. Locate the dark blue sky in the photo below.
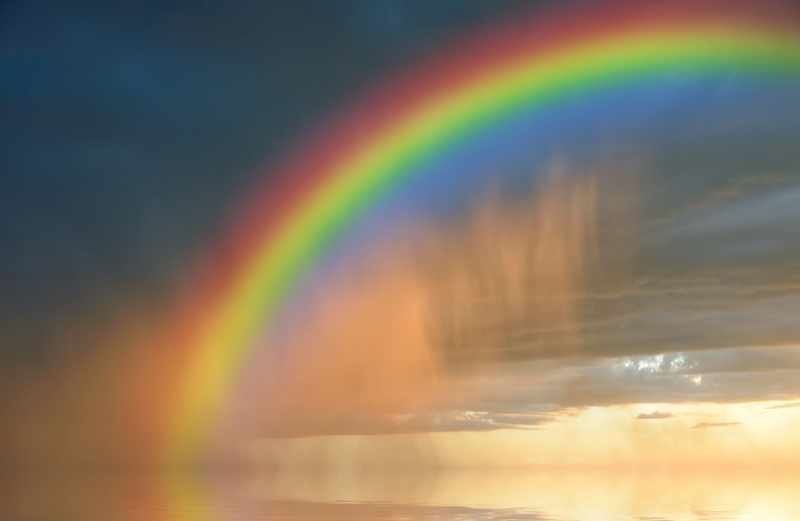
(128, 131)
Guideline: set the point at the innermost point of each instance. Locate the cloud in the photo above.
(456, 421)
(519, 311)
(785, 406)
(766, 213)
(552, 387)
(383, 510)
(712, 425)
(656, 415)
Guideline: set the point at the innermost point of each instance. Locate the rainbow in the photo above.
(378, 146)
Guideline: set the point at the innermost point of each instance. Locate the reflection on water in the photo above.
(555, 495)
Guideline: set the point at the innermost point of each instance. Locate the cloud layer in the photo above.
(525, 309)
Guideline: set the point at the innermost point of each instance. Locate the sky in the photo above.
(131, 133)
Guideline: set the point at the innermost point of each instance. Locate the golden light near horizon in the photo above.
(752, 435)
(566, 492)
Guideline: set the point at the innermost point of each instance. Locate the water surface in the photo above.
(554, 495)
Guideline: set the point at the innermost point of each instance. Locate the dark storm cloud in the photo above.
(755, 226)
(653, 305)
(723, 203)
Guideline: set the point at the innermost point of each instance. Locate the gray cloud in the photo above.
(713, 425)
(656, 415)
(447, 421)
(437, 420)
(551, 388)
(529, 395)
(763, 214)
(785, 406)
